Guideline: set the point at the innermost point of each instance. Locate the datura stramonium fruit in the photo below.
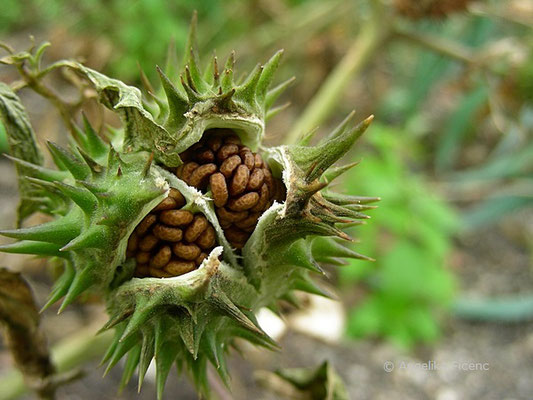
(184, 222)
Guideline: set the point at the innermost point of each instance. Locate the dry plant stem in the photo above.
(373, 35)
(70, 353)
(24, 338)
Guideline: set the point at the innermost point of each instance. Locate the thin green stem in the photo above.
(65, 110)
(374, 33)
(439, 45)
(448, 48)
(71, 352)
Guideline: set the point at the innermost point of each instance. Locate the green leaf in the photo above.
(458, 124)
(406, 266)
(22, 144)
(142, 132)
(493, 209)
(516, 162)
(366, 319)
(4, 145)
(503, 309)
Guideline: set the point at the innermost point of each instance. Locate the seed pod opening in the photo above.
(241, 183)
(170, 241)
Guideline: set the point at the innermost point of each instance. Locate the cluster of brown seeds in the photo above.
(240, 181)
(417, 9)
(170, 241)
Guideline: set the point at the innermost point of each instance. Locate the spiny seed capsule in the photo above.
(170, 241)
(241, 183)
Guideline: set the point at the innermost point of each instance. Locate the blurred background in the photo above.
(450, 153)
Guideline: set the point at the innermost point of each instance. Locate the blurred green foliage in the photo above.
(409, 235)
(10, 13)
(3, 139)
(455, 111)
(139, 31)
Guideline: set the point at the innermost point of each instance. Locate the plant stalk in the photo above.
(441, 46)
(374, 33)
(65, 110)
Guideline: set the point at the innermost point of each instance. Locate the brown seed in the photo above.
(219, 189)
(229, 165)
(195, 147)
(178, 197)
(175, 268)
(161, 258)
(258, 160)
(227, 151)
(256, 179)
(240, 180)
(184, 172)
(176, 217)
(207, 238)
(200, 259)
(269, 180)
(224, 224)
(186, 251)
(186, 156)
(167, 233)
(148, 242)
(231, 216)
(263, 199)
(205, 156)
(133, 242)
(248, 222)
(247, 158)
(199, 176)
(232, 139)
(245, 202)
(196, 228)
(142, 270)
(159, 273)
(236, 235)
(166, 204)
(145, 224)
(142, 257)
(214, 142)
